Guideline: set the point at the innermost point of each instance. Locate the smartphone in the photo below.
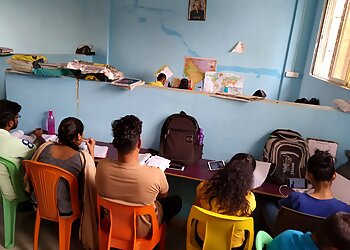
(176, 166)
(297, 183)
(215, 165)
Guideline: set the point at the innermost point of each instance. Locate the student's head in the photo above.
(334, 233)
(126, 133)
(231, 184)
(320, 167)
(9, 114)
(183, 83)
(70, 132)
(161, 77)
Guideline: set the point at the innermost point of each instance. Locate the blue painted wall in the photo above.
(144, 35)
(313, 87)
(54, 27)
(229, 126)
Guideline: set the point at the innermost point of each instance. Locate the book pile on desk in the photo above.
(237, 97)
(128, 83)
(5, 51)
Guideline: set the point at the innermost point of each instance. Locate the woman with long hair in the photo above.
(229, 192)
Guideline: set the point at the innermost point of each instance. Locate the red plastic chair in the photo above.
(44, 178)
(121, 231)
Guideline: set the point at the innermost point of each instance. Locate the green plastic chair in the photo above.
(262, 240)
(10, 207)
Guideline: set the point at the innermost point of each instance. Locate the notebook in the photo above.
(154, 161)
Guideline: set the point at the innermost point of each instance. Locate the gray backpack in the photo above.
(288, 154)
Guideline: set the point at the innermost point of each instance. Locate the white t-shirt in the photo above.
(14, 150)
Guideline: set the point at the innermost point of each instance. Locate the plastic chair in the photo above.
(262, 239)
(219, 229)
(291, 219)
(10, 207)
(44, 178)
(120, 230)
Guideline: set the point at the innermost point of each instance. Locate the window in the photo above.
(332, 52)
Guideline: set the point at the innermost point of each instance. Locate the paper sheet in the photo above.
(99, 151)
(53, 138)
(340, 188)
(260, 173)
(329, 146)
(154, 161)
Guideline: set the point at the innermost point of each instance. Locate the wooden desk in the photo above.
(199, 172)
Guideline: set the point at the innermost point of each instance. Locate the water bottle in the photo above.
(51, 123)
(200, 137)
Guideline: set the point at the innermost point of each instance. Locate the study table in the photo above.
(199, 172)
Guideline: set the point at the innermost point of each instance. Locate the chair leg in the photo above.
(65, 228)
(103, 241)
(9, 211)
(36, 230)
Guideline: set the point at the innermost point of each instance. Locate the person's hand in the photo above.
(38, 132)
(90, 143)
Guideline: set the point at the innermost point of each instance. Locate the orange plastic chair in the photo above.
(44, 178)
(120, 230)
(219, 229)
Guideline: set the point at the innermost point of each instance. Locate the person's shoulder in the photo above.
(342, 205)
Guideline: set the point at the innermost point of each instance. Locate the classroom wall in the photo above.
(313, 87)
(229, 126)
(144, 35)
(54, 27)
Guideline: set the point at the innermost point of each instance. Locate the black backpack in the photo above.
(179, 139)
(288, 154)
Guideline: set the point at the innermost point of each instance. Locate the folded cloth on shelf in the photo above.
(109, 71)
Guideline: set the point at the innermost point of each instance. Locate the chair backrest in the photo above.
(290, 219)
(262, 240)
(16, 179)
(44, 178)
(123, 224)
(219, 229)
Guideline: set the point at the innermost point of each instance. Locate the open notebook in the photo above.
(155, 161)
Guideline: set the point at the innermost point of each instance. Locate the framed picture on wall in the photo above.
(197, 10)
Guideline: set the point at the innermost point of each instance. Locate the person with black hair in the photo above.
(161, 79)
(66, 155)
(11, 148)
(332, 234)
(321, 174)
(229, 192)
(126, 181)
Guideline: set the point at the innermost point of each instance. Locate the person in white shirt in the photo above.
(11, 148)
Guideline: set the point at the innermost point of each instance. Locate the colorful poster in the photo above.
(195, 69)
(223, 82)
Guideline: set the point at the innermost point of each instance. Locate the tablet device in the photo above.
(215, 165)
(297, 183)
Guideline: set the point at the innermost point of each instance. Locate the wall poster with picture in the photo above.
(197, 10)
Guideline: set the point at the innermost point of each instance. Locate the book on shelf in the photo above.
(154, 161)
(128, 83)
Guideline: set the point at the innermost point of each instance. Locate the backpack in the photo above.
(179, 139)
(288, 153)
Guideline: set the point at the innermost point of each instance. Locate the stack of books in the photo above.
(128, 83)
(5, 51)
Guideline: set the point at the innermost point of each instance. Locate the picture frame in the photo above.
(197, 10)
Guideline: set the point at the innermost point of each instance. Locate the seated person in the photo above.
(321, 174)
(127, 182)
(12, 148)
(183, 83)
(67, 155)
(333, 233)
(229, 192)
(161, 78)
